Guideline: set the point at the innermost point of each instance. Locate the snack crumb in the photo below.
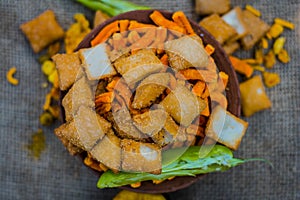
(10, 76)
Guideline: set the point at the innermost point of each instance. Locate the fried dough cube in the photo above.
(216, 26)
(150, 89)
(69, 69)
(108, 151)
(253, 96)
(137, 66)
(183, 105)
(168, 134)
(85, 129)
(256, 29)
(231, 47)
(207, 7)
(79, 94)
(235, 19)
(96, 62)
(140, 157)
(123, 123)
(186, 52)
(150, 122)
(225, 128)
(63, 130)
(42, 30)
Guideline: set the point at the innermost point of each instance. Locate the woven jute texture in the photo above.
(272, 134)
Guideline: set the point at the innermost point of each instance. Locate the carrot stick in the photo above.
(199, 88)
(195, 74)
(241, 66)
(160, 20)
(105, 33)
(124, 25)
(135, 24)
(180, 18)
(164, 59)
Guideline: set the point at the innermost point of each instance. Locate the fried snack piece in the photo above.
(85, 129)
(225, 128)
(108, 151)
(216, 26)
(140, 157)
(254, 97)
(186, 52)
(150, 89)
(123, 123)
(150, 122)
(42, 30)
(183, 105)
(69, 69)
(137, 66)
(207, 7)
(256, 29)
(79, 94)
(63, 130)
(231, 47)
(96, 62)
(235, 19)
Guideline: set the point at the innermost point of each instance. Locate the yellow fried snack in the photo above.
(42, 31)
(128, 195)
(254, 97)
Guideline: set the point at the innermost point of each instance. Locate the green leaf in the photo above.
(178, 162)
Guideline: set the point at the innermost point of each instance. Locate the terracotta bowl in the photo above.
(223, 63)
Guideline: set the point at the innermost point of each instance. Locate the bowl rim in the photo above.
(220, 58)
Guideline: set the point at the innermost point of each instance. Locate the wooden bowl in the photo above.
(223, 64)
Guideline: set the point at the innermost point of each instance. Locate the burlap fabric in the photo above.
(272, 134)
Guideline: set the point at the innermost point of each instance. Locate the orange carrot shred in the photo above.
(180, 18)
(135, 24)
(209, 49)
(160, 20)
(164, 59)
(241, 66)
(124, 25)
(105, 33)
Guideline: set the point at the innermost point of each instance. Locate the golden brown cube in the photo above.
(69, 69)
(140, 157)
(108, 151)
(207, 7)
(42, 30)
(256, 29)
(216, 26)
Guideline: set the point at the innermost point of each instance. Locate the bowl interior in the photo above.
(223, 64)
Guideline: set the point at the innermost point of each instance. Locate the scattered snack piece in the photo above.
(269, 59)
(241, 66)
(264, 43)
(37, 144)
(10, 76)
(224, 127)
(216, 26)
(42, 30)
(253, 96)
(235, 19)
(76, 32)
(259, 55)
(48, 67)
(283, 56)
(284, 23)
(207, 7)
(256, 29)
(278, 45)
(128, 195)
(253, 10)
(271, 79)
(231, 47)
(99, 18)
(276, 30)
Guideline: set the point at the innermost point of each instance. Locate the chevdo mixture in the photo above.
(140, 90)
